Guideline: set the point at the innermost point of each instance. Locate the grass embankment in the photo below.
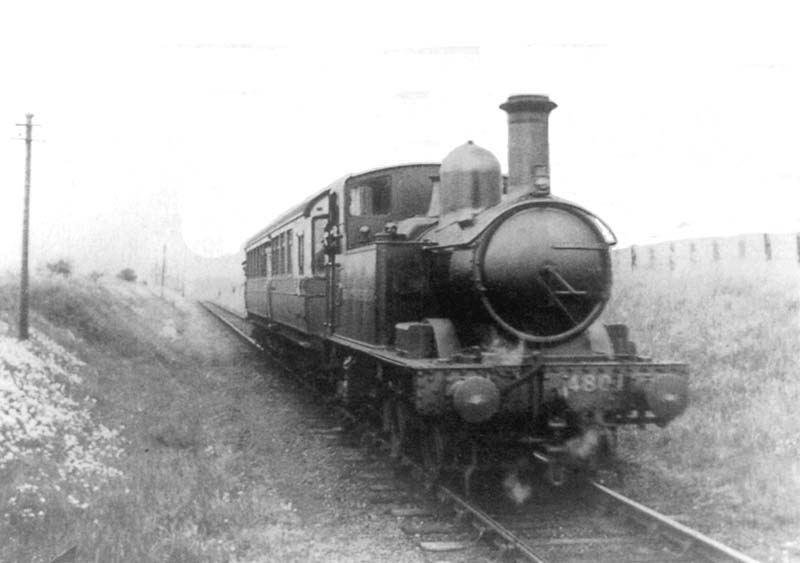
(132, 445)
(738, 444)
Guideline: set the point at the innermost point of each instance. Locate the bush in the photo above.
(60, 268)
(127, 274)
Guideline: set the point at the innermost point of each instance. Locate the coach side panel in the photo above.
(255, 296)
(255, 287)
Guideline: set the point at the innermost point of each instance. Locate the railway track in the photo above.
(587, 523)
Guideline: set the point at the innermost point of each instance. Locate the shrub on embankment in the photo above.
(739, 440)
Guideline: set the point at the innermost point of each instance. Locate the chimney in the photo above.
(528, 144)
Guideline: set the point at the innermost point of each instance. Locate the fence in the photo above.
(735, 254)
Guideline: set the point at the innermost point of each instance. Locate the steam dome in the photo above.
(470, 178)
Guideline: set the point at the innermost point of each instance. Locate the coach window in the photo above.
(273, 254)
(276, 256)
(301, 254)
(282, 266)
(285, 254)
(282, 257)
(279, 268)
(373, 197)
(318, 248)
(289, 251)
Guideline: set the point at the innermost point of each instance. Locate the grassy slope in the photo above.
(740, 438)
(179, 498)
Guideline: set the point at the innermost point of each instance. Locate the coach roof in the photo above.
(302, 210)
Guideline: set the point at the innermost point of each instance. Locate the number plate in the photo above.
(591, 382)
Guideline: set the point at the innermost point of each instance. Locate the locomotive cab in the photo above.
(387, 196)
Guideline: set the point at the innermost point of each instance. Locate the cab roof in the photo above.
(305, 208)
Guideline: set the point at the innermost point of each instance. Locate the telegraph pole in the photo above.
(24, 293)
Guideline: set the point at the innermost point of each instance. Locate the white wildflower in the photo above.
(39, 418)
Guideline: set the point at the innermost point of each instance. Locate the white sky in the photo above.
(674, 120)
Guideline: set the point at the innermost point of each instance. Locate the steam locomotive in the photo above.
(461, 308)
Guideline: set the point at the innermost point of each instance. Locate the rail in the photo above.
(676, 532)
(214, 309)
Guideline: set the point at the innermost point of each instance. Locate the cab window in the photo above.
(372, 197)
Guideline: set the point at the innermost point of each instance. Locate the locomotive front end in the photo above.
(521, 278)
(543, 271)
(535, 267)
